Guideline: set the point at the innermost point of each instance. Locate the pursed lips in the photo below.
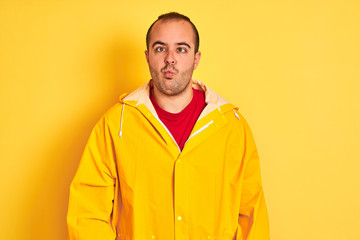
(169, 74)
(169, 71)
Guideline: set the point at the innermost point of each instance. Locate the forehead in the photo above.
(172, 31)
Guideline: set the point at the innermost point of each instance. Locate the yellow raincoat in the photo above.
(133, 182)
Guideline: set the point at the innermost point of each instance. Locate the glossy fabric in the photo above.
(133, 183)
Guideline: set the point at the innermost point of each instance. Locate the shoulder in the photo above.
(236, 120)
(114, 111)
(111, 117)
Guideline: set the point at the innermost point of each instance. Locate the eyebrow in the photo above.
(180, 44)
(184, 44)
(157, 42)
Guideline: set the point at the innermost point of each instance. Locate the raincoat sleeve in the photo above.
(92, 189)
(253, 217)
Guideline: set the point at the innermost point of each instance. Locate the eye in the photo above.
(182, 50)
(159, 49)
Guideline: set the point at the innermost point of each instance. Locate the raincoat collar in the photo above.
(141, 97)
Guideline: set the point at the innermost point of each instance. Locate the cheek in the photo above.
(190, 64)
(155, 63)
(156, 58)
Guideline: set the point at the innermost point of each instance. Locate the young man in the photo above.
(171, 160)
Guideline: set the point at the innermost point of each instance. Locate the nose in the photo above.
(170, 58)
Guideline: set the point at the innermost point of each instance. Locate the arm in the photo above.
(92, 189)
(253, 217)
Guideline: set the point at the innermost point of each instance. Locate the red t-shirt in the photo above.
(180, 124)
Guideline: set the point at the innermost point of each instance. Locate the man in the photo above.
(171, 160)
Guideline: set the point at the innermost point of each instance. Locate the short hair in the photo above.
(174, 16)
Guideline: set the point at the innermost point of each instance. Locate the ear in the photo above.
(197, 59)
(147, 56)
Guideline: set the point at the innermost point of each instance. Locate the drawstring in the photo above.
(121, 120)
(236, 115)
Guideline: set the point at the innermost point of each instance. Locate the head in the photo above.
(172, 54)
(174, 16)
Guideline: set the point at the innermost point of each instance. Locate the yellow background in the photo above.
(292, 67)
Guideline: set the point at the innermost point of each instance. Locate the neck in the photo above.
(173, 104)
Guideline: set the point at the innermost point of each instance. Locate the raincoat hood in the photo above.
(140, 98)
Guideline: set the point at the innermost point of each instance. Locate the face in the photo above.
(171, 57)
